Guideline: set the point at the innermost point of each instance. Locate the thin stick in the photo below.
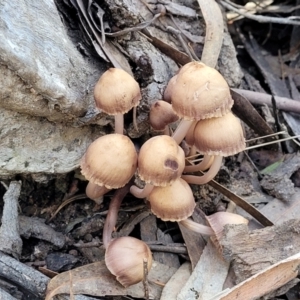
(265, 136)
(260, 19)
(214, 32)
(145, 278)
(282, 103)
(273, 142)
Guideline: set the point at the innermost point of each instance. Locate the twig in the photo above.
(260, 19)
(170, 249)
(282, 103)
(10, 240)
(145, 279)
(214, 32)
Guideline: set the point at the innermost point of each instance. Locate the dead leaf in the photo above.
(96, 280)
(176, 282)
(208, 276)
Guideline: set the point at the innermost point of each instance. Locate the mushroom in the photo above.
(218, 137)
(198, 92)
(160, 162)
(116, 92)
(161, 115)
(176, 203)
(110, 161)
(217, 221)
(173, 202)
(125, 256)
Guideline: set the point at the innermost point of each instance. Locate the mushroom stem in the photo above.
(141, 193)
(182, 130)
(208, 176)
(196, 227)
(202, 166)
(96, 192)
(119, 123)
(135, 126)
(193, 151)
(112, 215)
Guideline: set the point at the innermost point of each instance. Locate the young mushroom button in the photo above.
(161, 115)
(116, 92)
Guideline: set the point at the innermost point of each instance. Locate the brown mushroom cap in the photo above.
(200, 92)
(160, 161)
(161, 114)
(116, 92)
(124, 258)
(219, 136)
(111, 160)
(172, 203)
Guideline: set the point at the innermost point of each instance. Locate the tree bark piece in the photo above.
(10, 240)
(251, 252)
(26, 277)
(35, 227)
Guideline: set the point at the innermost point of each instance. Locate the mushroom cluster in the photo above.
(200, 97)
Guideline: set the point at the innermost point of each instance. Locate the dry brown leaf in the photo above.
(96, 280)
(263, 282)
(208, 276)
(176, 282)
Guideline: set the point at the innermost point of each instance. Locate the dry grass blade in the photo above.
(241, 202)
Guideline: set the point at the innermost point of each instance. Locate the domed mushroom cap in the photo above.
(124, 258)
(172, 203)
(161, 114)
(111, 160)
(160, 161)
(116, 92)
(200, 92)
(219, 136)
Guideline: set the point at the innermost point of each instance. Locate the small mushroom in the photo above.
(160, 162)
(217, 221)
(172, 203)
(110, 161)
(161, 115)
(198, 92)
(125, 256)
(116, 92)
(216, 137)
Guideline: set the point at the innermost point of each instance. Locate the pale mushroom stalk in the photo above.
(208, 176)
(96, 192)
(193, 150)
(119, 123)
(112, 215)
(202, 166)
(141, 193)
(196, 227)
(217, 221)
(182, 130)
